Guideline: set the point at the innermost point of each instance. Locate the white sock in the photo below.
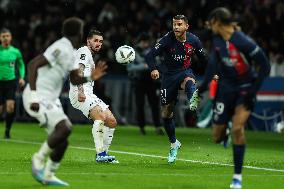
(98, 133)
(44, 150)
(173, 145)
(238, 176)
(108, 136)
(50, 167)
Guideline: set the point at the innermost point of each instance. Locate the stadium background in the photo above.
(36, 24)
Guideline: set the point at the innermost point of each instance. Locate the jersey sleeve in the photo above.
(52, 54)
(159, 47)
(81, 57)
(210, 71)
(261, 61)
(21, 65)
(59, 54)
(200, 52)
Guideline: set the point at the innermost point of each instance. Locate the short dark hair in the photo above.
(72, 26)
(222, 15)
(93, 32)
(181, 17)
(5, 30)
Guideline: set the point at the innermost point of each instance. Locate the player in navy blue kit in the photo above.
(230, 59)
(177, 48)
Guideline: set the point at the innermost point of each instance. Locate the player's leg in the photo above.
(57, 144)
(58, 127)
(10, 106)
(238, 135)
(110, 125)
(153, 100)
(10, 114)
(139, 102)
(169, 125)
(189, 87)
(98, 116)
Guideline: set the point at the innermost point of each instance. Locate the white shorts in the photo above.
(50, 112)
(91, 101)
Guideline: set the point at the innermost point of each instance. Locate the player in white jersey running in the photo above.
(83, 98)
(47, 73)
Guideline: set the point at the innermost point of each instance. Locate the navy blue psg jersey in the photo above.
(231, 61)
(176, 55)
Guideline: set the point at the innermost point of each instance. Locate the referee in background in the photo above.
(9, 57)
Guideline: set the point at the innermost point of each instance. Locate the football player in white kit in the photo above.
(83, 98)
(47, 73)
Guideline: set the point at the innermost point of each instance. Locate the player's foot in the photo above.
(236, 184)
(52, 180)
(173, 152)
(159, 131)
(38, 167)
(105, 158)
(194, 101)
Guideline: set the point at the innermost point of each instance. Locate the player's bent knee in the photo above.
(112, 123)
(10, 108)
(97, 114)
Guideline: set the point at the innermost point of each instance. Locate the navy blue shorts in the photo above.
(170, 86)
(225, 104)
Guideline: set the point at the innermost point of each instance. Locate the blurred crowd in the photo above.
(35, 24)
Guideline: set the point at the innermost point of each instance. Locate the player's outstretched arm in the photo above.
(96, 74)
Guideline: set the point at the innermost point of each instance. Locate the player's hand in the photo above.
(35, 106)
(99, 71)
(81, 97)
(21, 82)
(155, 74)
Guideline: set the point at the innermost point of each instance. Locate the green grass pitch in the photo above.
(201, 163)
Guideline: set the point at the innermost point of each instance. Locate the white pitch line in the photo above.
(154, 156)
(147, 174)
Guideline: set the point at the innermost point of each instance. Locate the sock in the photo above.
(238, 153)
(169, 125)
(9, 120)
(50, 167)
(189, 89)
(108, 136)
(44, 150)
(238, 176)
(98, 134)
(173, 145)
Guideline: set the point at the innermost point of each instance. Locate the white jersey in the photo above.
(51, 77)
(84, 56)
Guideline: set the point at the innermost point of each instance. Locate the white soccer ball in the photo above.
(280, 127)
(125, 54)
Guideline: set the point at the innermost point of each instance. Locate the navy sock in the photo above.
(189, 89)
(169, 125)
(102, 153)
(9, 121)
(238, 153)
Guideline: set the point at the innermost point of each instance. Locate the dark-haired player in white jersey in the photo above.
(83, 98)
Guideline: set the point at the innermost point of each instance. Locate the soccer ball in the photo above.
(280, 127)
(125, 54)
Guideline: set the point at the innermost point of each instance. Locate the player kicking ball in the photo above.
(83, 99)
(177, 47)
(41, 98)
